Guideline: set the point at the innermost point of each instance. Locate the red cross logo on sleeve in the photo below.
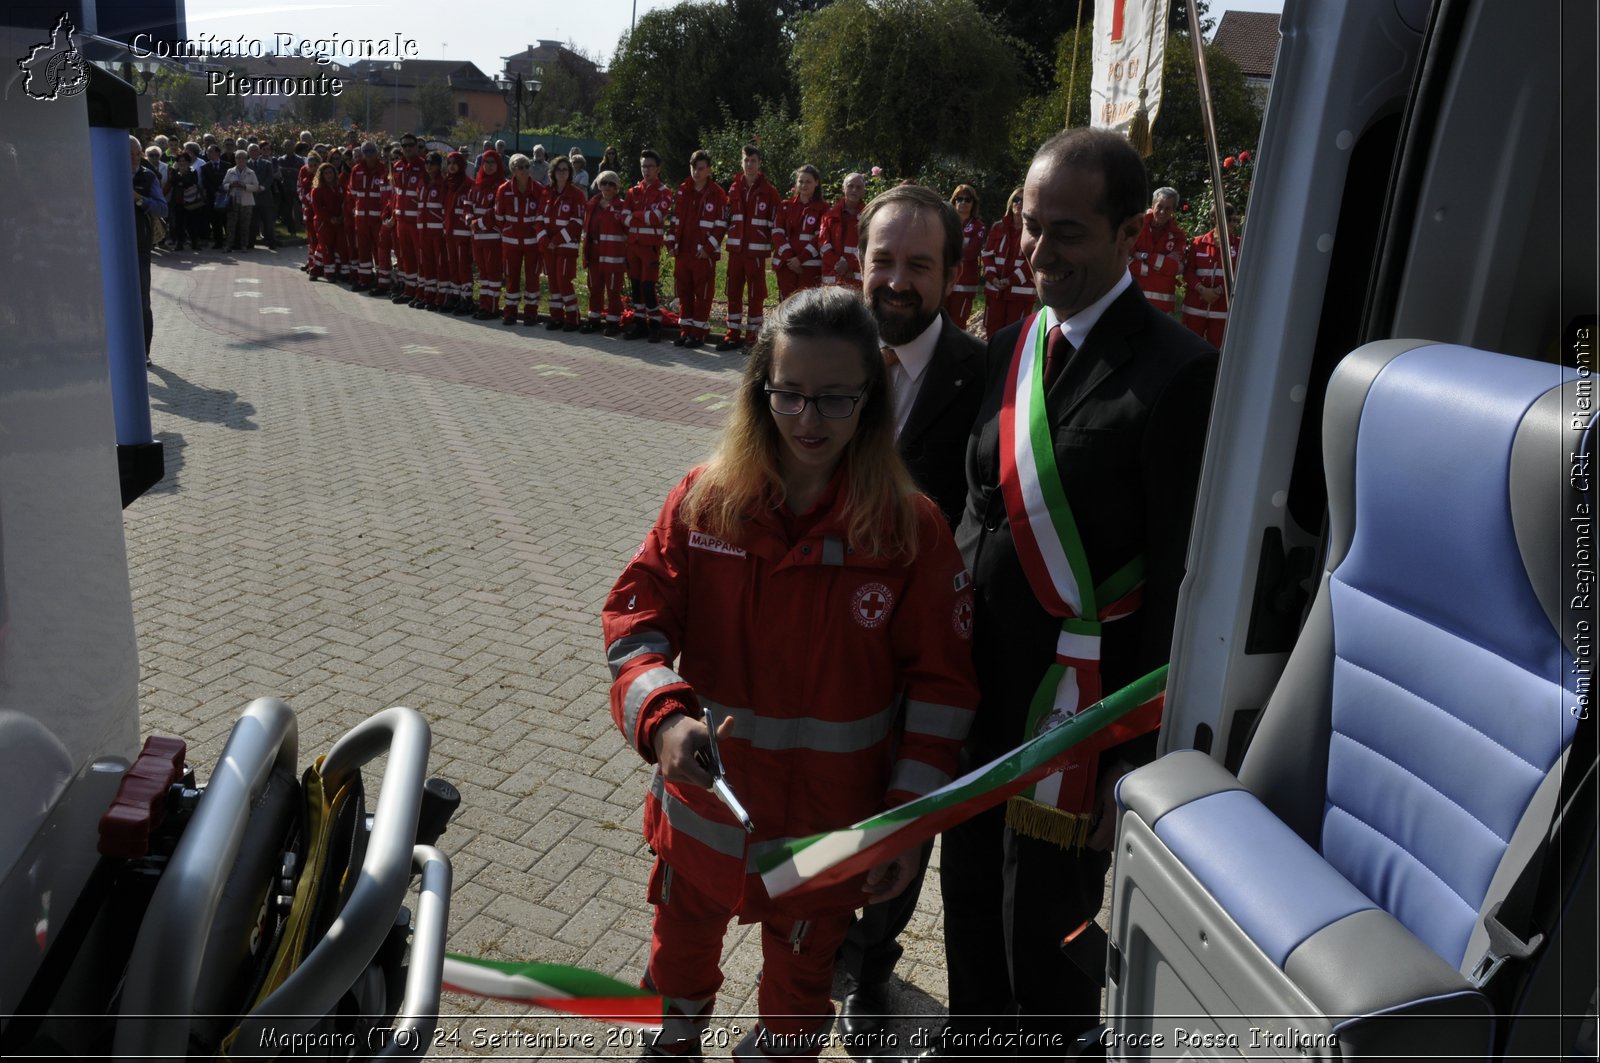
(872, 604)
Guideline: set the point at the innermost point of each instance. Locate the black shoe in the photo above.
(612, 330)
(654, 332)
(553, 325)
(729, 343)
(484, 315)
(633, 331)
(862, 1014)
(586, 328)
(418, 304)
(463, 308)
(693, 343)
(400, 297)
(679, 340)
(570, 326)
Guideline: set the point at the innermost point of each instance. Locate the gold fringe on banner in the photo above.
(1139, 129)
(1047, 823)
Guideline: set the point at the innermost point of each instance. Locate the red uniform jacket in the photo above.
(973, 234)
(327, 203)
(518, 214)
(699, 219)
(849, 679)
(837, 239)
(457, 207)
(1205, 267)
(563, 219)
(645, 209)
(430, 205)
(303, 184)
(367, 184)
(1003, 259)
(753, 208)
(795, 235)
(604, 234)
(1157, 261)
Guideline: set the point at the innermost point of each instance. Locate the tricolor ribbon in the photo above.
(825, 859)
(571, 990)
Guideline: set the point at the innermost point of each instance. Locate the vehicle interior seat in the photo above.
(1330, 900)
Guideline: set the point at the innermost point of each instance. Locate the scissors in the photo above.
(710, 758)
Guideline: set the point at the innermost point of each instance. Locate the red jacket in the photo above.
(645, 209)
(327, 203)
(1205, 267)
(1003, 259)
(973, 234)
(837, 240)
(431, 204)
(412, 176)
(605, 234)
(563, 219)
(795, 235)
(815, 651)
(699, 219)
(753, 208)
(1157, 261)
(518, 215)
(367, 184)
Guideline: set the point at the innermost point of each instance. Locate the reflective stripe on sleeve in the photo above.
(937, 721)
(725, 838)
(804, 732)
(626, 648)
(639, 692)
(915, 777)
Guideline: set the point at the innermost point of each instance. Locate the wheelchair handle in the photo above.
(412, 1032)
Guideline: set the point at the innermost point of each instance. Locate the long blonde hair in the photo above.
(880, 504)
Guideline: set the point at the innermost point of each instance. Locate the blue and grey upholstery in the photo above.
(1330, 899)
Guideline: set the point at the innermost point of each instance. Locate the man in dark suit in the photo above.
(1126, 396)
(911, 256)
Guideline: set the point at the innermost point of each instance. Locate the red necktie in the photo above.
(1057, 353)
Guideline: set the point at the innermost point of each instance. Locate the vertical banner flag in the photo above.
(1130, 42)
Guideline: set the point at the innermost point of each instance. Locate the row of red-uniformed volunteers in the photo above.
(419, 230)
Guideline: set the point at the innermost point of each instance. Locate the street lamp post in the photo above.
(396, 93)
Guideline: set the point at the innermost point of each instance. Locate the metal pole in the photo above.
(1211, 149)
(519, 112)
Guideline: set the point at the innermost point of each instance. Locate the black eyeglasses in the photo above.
(793, 403)
(965, 199)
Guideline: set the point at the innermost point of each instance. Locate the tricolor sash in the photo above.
(1060, 807)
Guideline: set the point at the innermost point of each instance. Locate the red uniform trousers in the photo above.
(486, 256)
(458, 247)
(383, 263)
(519, 258)
(347, 254)
(605, 288)
(790, 282)
(1004, 308)
(959, 307)
(407, 248)
(430, 262)
(367, 243)
(1207, 322)
(696, 281)
(686, 945)
(325, 259)
(562, 266)
(746, 274)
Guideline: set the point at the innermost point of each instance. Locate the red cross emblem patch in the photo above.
(871, 605)
(961, 620)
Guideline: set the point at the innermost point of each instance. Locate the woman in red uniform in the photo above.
(605, 237)
(1007, 275)
(430, 235)
(517, 207)
(455, 282)
(327, 211)
(563, 228)
(303, 182)
(798, 590)
(796, 258)
(486, 233)
(344, 162)
(384, 264)
(836, 237)
(973, 233)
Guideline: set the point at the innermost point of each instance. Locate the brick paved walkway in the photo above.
(368, 505)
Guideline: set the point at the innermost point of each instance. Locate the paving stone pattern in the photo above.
(367, 505)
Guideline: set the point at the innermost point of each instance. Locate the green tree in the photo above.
(773, 130)
(1179, 157)
(681, 65)
(569, 84)
(865, 70)
(366, 104)
(185, 96)
(316, 107)
(435, 107)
